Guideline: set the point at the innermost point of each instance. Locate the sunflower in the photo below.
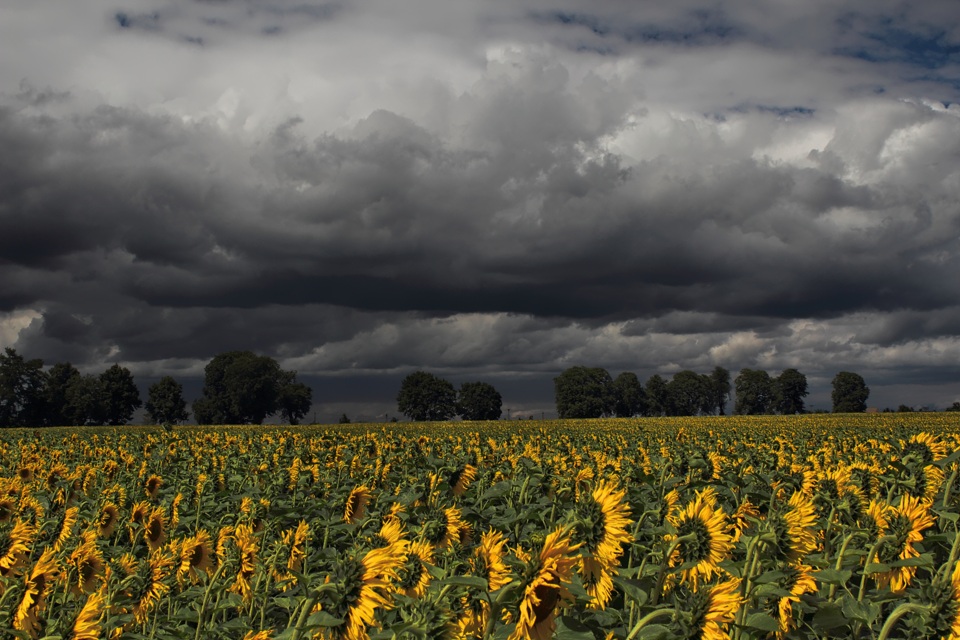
(297, 539)
(67, 523)
(138, 519)
(107, 520)
(602, 521)
(196, 555)
(874, 520)
(87, 560)
(31, 510)
(38, 584)
(924, 482)
(155, 530)
(487, 563)
(943, 597)
(413, 578)
(742, 519)
(795, 528)
(15, 547)
(905, 522)
(390, 535)
(798, 581)
(356, 506)
(461, 478)
(86, 626)
(546, 588)
(224, 537)
(175, 511)
(709, 612)
(266, 634)
(248, 547)
(154, 585)
(926, 448)
(152, 486)
(7, 508)
(703, 540)
(363, 586)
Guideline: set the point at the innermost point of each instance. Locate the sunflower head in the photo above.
(709, 612)
(196, 555)
(152, 486)
(356, 506)
(107, 520)
(154, 532)
(923, 448)
(701, 541)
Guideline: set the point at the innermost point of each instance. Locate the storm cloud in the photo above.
(485, 190)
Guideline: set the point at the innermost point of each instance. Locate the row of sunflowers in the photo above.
(773, 527)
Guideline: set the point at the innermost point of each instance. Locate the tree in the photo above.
(241, 387)
(584, 392)
(59, 377)
(689, 394)
(790, 388)
(121, 396)
(657, 396)
(755, 392)
(630, 399)
(21, 390)
(86, 401)
(720, 384)
(294, 399)
(479, 401)
(165, 403)
(424, 396)
(850, 393)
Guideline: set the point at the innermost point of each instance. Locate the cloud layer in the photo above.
(496, 189)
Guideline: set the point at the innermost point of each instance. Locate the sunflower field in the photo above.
(817, 526)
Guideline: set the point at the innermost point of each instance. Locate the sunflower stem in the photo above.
(899, 612)
(838, 565)
(949, 485)
(869, 559)
(661, 573)
(206, 598)
(948, 565)
(647, 619)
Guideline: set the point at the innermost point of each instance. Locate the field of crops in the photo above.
(776, 527)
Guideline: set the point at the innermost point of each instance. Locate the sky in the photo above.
(487, 190)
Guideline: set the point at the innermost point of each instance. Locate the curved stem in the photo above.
(647, 619)
(870, 556)
(665, 562)
(899, 612)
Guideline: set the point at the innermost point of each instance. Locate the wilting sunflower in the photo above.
(155, 530)
(38, 584)
(461, 478)
(87, 560)
(196, 555)
(545, 588)
(152, 486)
(297, 540)
(487, 563)
(798, 581)
(709, 612)
(248, 548)
(356, 506)
(601, 529)
(905, 522)
(413, 578)
(795, 528)
(224, 538)
(138, 519)
(15, 547)
(363, 586)
(86, 626)
(704, 541)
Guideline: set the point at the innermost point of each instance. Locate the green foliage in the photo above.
(689, 394)
(120, 395)
(21, 390)
(424, 396)
(790, 388)
(657, 396)
(720, 384)
(59, 377)
(479, 401)
(850, 393)
(584, 392)
(755, 392)
(165, 403)
(294, 399)
(631, 399)
(86, 401)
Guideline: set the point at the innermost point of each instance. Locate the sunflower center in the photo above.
(591, 528)
(411, 572)
(698, 549)
(548, 596)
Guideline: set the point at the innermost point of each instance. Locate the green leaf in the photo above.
(569, 629)
(656, 632)
(830, 616)
(323, 619)
(877, 567)
(865, 612)
(465, 581)
(833, 576)
(769, 576)
(924, 560)
(762, 621)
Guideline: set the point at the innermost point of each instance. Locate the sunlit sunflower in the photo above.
(8, 507)
(874, 520)
(153, 585)
(258, 635)
(196, 555)
(488, 563)
(413, 578)
(924, 482)
(87, 560)
(926, 448)
(798, 581)
(152, 486)
(86, 626)
(460, 479)
(669, 503)
(704, 541)
(356, 506)
(175, 511)
(107, 520)
(545, 588)
(443, 528)
(39, 582)
(224, 538)
(155, 530)
(742, 519)
(905, 522)
(67, 523)
(138, 519)
(363, 586)
(297, 541)
(601, 529)
(709, 612)
(795, 528)
(391, 534)
(15, 547)
(943, 597)
(248, 548)
(31, 510)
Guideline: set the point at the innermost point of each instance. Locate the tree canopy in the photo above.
(165, 403)
(755, 392)
(850, 393)
(479, 401)
(584, 392)
(424, 396)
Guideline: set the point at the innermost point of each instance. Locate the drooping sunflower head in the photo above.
(708, 613)
(196, 555)
(874, 520)
(923, 482)
(924, 448)
(362, 585)
(488, 561)
(8, 507)
(702, 541)
(794, 528)
(87, 624)
(442, 528)
(905, 525)
(154, 531)
(39, 582)
(356, 506)
(461, 478)
(943, 598)
(743, 518)
(798, 580)
(87, 560)
(546, 581)
(152, 486)
(107, 520)
(15, 543)
(154, 585)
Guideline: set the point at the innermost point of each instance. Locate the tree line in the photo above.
(590, 392)
(240, 387)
